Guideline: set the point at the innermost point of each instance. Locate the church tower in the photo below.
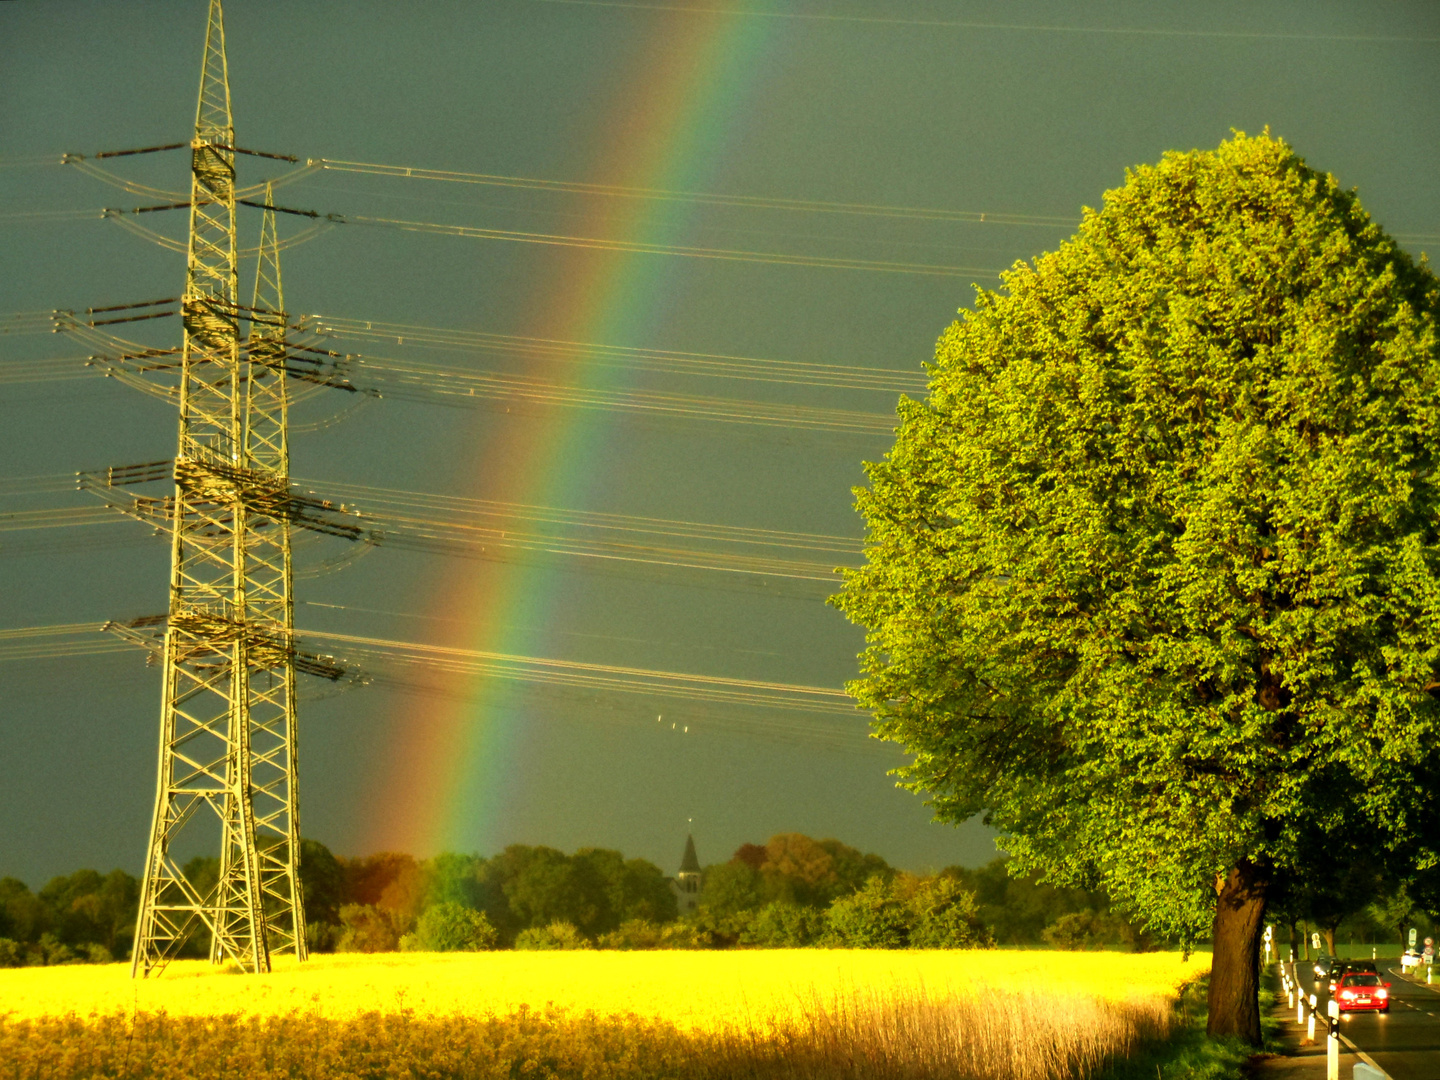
(687, 884)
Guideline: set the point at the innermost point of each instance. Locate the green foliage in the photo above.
(790, 871)
(872, 917)
(369, 929)
(322, 881)
(779, 925)
(1188, 1053)
(732, 891)
(22, 915)
(203, 872)
(556, 935)
(83, 916)
(644, 934)
(455, 879)
(87, 909)
(941, 914)
(12, 953)
(450, 927)
(1082, 930)
(1018, 908)
(1152, 575)
(645, 893)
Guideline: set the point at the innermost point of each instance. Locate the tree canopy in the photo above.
(1152, 577)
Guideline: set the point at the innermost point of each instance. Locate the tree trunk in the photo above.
(1330, 940)
(1235, 969)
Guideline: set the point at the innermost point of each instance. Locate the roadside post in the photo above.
(1332, 1045)
(1300, 1008)
(1269, 937)
(1310, 1030)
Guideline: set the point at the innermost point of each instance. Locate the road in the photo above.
(1406, 1041)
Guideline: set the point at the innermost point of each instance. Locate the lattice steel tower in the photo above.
(227, 713)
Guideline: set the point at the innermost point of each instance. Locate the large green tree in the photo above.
(1151, 573)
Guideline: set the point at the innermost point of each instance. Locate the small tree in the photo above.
(779, 925)
(450, 927)
(1153, 577)
(556, 935)
(872, 917)
(942, 914)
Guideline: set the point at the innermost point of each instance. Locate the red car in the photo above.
(1363, 991)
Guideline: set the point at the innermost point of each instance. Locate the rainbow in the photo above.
(668, 129)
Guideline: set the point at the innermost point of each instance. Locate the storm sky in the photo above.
(1024, 111)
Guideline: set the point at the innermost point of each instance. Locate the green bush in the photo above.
(644, 934)
(557, 935)
(870, 918)
(784, 926)
(943, 915)
(450, 927)
(12, 953)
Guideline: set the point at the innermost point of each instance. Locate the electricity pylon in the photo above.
(227, 714)
(269, 575)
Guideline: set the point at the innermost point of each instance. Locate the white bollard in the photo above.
(1332, 1047)
(1300, 1009)
(1310, 1031)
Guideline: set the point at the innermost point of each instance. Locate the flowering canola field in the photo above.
(695, 990)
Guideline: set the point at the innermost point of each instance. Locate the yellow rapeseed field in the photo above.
(695, 991)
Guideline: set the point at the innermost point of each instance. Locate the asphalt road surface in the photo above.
(1404, 1042)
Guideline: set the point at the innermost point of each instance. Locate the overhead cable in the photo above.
(761, 202)
(631, 247)
(793, 372)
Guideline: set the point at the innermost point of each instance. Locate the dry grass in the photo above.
(799, 1015)
(1005, 1037)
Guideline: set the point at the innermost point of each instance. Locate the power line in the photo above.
(454, 525)
(631, 247)
(79, 639)
(968, 24)
(708, 198)
(670, 361)
(133, 363)
(664, 361)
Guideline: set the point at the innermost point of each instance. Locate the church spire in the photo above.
(690, 863)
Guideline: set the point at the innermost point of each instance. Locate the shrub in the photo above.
(450, 927)
(322, 937)
(557, 935)
(644, 934)
(943, 915)
(633, 934)
(1091, 930)
(12, 953)
(784, 926)
(870, 918)
(366, 928)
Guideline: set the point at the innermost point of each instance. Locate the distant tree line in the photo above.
(86, 916)
(792, 891)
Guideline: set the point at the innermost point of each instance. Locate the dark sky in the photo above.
(1018, 108)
